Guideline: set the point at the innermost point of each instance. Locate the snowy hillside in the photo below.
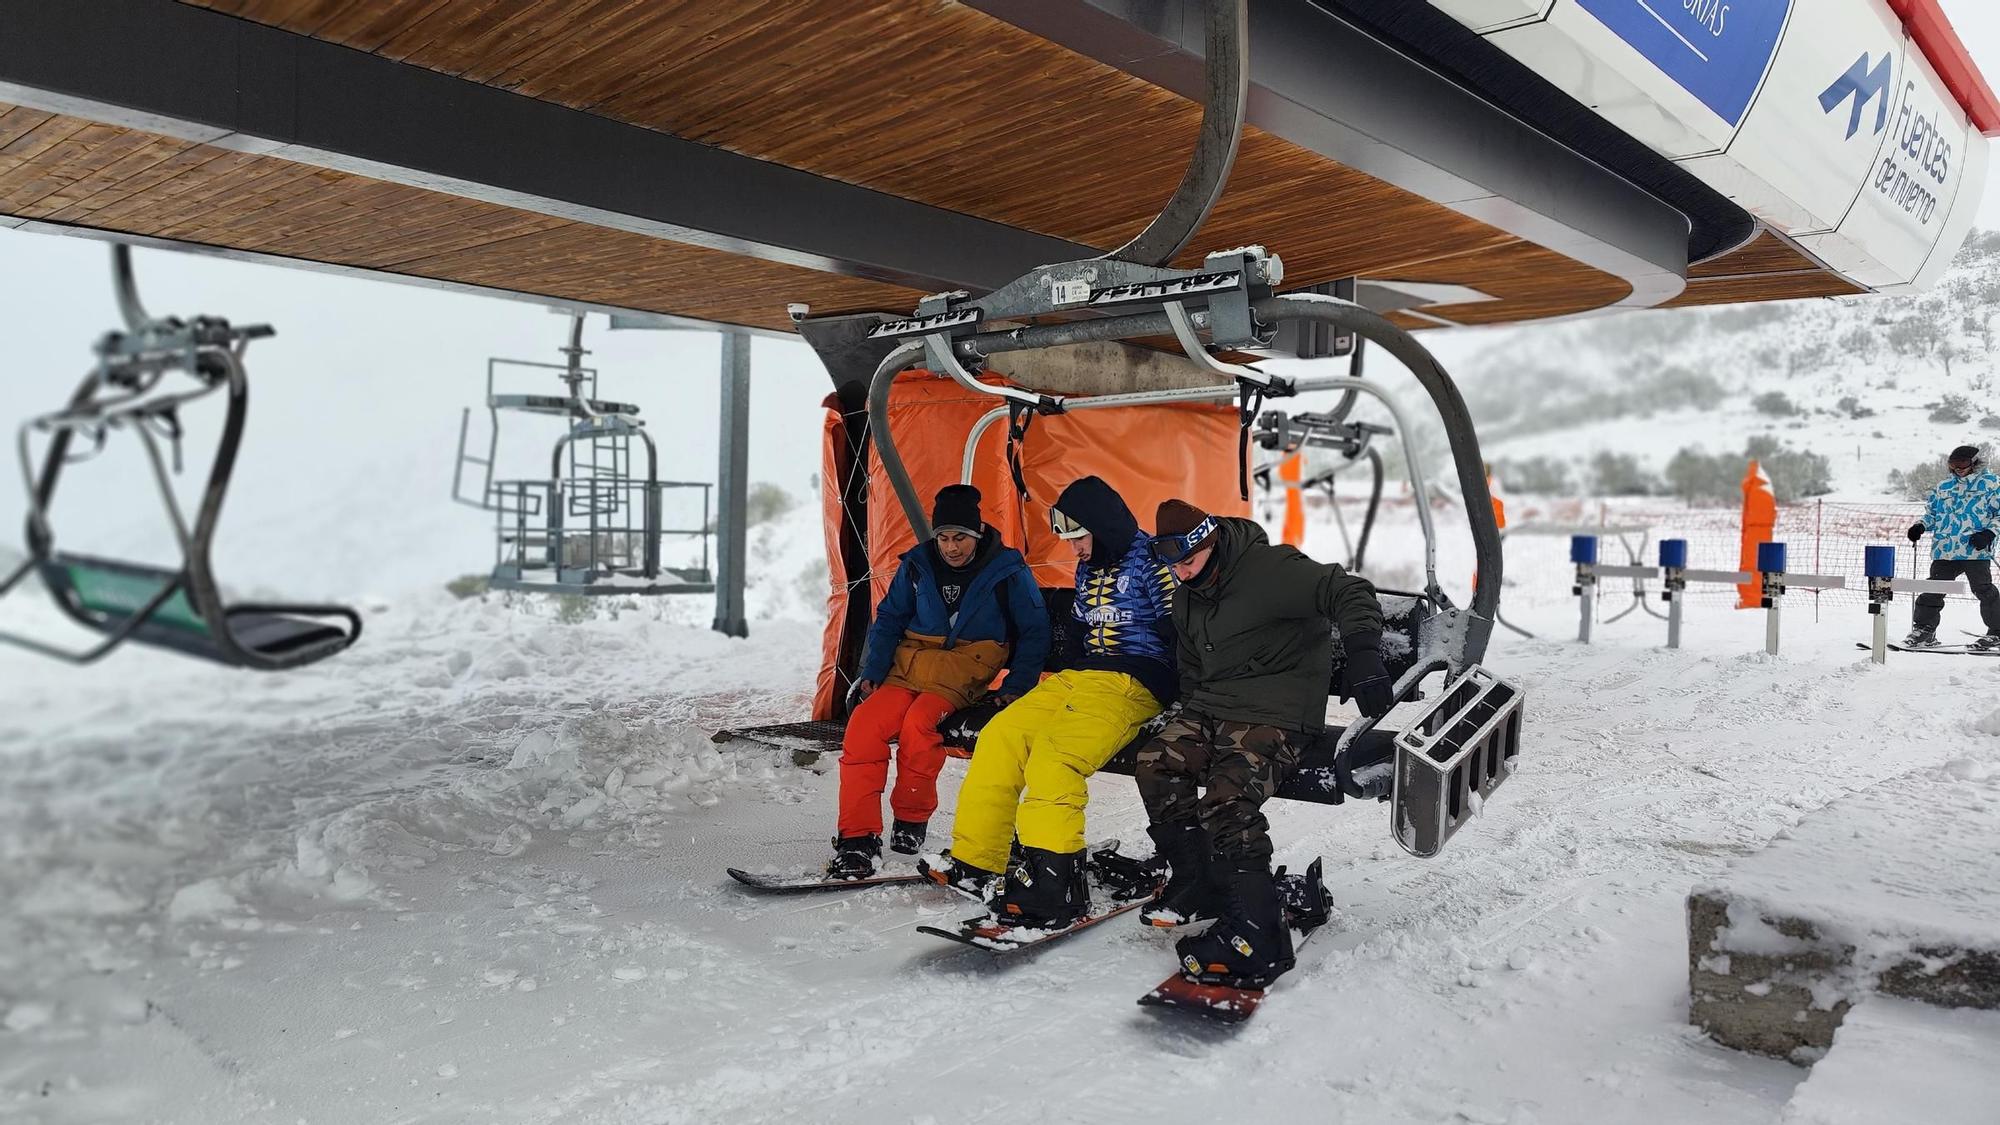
(1857, 380)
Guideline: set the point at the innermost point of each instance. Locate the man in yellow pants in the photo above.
(1030, 769)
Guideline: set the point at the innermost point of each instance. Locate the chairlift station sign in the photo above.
(1823, 119)
(1717, 50)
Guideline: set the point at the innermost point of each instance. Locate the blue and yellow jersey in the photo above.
(1125, 611)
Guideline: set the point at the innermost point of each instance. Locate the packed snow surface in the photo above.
(472, 871)
(1898, 1060)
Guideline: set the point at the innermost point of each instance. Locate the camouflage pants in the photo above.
(1219, 774)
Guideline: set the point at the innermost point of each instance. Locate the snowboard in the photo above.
(801, 884)
(1119, 884)
(1940, 650)
(1307, 907)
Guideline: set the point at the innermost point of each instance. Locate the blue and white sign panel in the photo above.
(1716, 50)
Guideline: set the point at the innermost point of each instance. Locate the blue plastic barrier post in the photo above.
(1673, 576)
(1879, 563)
(1583, 552)
(1771, 567)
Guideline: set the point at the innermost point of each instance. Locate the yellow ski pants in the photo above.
(1046, 743)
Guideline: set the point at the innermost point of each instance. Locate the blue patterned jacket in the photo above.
(1959, 506)
(1124, 599)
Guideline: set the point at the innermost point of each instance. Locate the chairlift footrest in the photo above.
(1452, 757)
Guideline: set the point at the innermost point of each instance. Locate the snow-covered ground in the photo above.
(472, 871)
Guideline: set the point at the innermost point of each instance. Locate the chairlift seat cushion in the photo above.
(109, 592)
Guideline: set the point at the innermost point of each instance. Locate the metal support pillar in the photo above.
(733, 487)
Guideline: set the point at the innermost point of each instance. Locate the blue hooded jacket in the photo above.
(1124, 598)
(1959, 506)
(1001, 603)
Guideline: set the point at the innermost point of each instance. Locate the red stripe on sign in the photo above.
(1926, 23)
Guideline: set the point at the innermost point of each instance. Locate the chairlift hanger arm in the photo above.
(1226, 81)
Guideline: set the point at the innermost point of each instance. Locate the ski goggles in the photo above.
(1065, 527)
(1964, 468)
(1171, 549)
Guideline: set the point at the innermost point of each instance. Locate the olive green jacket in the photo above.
(1255, 630)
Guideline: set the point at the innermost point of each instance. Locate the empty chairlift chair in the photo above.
(591, 526)
(143, 376)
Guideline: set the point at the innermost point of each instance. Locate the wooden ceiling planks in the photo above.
(1766, 253)
(69, 170)
(928, 100)
(1769, 287)
(1527, 280)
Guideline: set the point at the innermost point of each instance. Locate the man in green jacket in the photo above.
(1255, 626)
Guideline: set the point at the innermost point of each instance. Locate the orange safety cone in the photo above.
(1760, 525)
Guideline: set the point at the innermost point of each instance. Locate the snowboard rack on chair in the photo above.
(180, 609)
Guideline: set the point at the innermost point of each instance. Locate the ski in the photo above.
(801, 884)
(1307, 907)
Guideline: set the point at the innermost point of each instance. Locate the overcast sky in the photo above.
(357, 400)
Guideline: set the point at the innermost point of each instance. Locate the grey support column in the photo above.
(732, 483)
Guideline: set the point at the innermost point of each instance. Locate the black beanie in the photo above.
(956, 509)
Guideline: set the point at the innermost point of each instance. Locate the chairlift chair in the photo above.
(181, 609)
(1464, 741)
(591, 527)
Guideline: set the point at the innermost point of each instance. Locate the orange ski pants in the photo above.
(910, 718)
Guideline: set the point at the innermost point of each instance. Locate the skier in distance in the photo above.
(1960, 515)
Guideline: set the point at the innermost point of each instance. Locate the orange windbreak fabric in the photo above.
(835, 463)
(931, 417)
(1147, 453)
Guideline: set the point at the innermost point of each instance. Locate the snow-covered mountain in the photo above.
(1874, 384)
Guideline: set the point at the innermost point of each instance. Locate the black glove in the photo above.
(1981, 540)
(1368, 683)
(1916, 532)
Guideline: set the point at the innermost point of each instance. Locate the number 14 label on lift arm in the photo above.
(1075, 291)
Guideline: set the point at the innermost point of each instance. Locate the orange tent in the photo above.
(1148, 453)
(1760, 525)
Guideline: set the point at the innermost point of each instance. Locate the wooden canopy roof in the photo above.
(930, 102)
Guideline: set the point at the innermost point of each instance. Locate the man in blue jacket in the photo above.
(1961, 515)
(962, 608)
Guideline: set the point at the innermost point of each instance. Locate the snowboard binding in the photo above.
(1307, 905)
(1125, 877)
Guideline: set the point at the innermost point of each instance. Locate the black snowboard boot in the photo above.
(1250, 946)
(1921, 637)
(907, 836)
(854, 857)
(1045, 891)
(947, 870)
(1987, 643)
(1191, 894)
